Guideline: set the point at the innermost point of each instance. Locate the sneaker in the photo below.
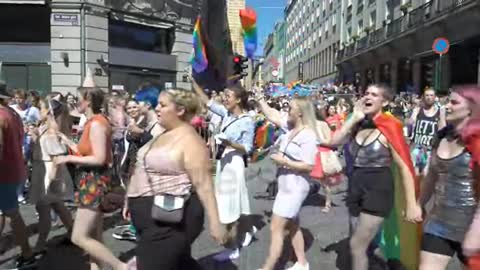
(124, 232)
(22, 263)
(22, 200)
(248, 239)
(227, 255)
(298, 266)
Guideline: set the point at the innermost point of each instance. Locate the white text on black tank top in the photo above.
(425, 129)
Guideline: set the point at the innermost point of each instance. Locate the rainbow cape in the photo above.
(264, 138)
(199, 58)
(400, 239)
(248, 18)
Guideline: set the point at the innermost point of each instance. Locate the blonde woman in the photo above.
(173, 166)
(295, 160)
(49, 183)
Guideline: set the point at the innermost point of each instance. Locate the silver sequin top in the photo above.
(454, 204)
(372, 155)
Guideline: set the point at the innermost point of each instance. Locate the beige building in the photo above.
(235, 26)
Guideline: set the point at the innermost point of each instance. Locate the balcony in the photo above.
(412, 20)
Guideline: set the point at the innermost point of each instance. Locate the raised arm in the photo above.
(343, 135)
(199, 90)
(270, 113)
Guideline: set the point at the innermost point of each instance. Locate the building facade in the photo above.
(313, 36)
(391, 42)
(124, 43)
(269, 61)
(235, 26)
(279, 51)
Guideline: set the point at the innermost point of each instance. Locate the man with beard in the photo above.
(426, 120)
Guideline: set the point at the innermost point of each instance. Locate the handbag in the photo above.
(330, 162)
(166, 208)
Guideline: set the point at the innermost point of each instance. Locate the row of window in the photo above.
(320, 64)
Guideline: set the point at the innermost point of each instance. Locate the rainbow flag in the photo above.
(264, 138)
(248, 18)
(400, 239)
(199, 58)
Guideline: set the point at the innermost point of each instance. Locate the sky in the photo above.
(268, 12)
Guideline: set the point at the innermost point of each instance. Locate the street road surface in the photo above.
(325, 235)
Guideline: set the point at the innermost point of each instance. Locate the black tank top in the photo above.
(425, 129)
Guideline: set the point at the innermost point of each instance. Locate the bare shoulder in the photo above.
(193, 143)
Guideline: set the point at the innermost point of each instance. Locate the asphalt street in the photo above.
(325, 235)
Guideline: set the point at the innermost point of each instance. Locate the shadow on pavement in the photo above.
(342, 249)
(62, 254)
(344, 260)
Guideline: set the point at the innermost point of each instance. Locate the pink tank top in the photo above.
(12, 164)
(156, 173)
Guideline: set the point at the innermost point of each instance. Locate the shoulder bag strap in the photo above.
(290, 140)
(233, 121)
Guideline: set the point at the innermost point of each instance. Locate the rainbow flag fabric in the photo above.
(264, 138)
(248, 18)
(199, 59)
(400, 239)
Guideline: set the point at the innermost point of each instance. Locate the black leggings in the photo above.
(166, 246)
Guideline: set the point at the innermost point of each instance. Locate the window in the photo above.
(373, 18)
(349, 34)
(134, 36)
(360, 27)
(36, 28)
(359, 6)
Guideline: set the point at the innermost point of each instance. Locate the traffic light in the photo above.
(240, 64)
(429, 74)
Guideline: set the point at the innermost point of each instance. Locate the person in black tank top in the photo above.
(426, 121)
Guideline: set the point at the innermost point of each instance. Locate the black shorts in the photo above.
(442, 246)
(371, 191)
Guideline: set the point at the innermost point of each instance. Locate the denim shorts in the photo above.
(8, 196)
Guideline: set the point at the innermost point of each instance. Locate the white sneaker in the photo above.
(248, 239)
(227, 255)
(298, 266)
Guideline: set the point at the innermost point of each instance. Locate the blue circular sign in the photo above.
(441, 45)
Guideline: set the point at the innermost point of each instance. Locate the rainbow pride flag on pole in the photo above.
(199, 59)
(248, 18)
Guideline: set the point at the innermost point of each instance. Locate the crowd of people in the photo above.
(170, 158)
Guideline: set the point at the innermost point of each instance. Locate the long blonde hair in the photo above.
(309, 118)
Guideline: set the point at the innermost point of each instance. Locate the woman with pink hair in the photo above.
(452, 180)
(471, 136)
